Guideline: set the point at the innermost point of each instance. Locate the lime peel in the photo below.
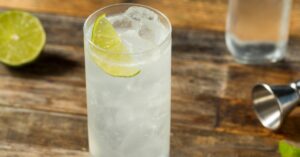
(111, 48)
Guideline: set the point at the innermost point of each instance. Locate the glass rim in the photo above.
(156, 46)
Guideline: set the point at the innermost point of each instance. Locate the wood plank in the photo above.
(24, 150)
(54, 82)
(26, 132)
(215, 144)
(40, 128)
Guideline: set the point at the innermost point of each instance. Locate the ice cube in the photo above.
(150, 27)
(146, 33)
(152, 31)
(123, 23)
(139, 13)
(134, 42)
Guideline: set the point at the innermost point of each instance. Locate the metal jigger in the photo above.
(273, 103)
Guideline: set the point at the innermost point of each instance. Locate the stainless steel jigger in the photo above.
(273, 103)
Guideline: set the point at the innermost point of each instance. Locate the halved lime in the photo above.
(22, 37)
(113, 52)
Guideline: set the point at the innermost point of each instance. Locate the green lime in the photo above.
(113, 52)
(22, 37)
(288, 149)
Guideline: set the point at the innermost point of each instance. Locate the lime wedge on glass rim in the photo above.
(22, 38)
(113, 56)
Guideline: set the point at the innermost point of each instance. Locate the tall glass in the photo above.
(129, 116)
(257, 30)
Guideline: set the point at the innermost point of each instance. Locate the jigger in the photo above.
(273, 103)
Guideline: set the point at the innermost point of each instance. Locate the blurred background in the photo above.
(194, 14)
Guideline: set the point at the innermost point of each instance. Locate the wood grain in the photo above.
(43, 128)
(25, 150)
(43, 108)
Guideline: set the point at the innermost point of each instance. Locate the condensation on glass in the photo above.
(257, 30)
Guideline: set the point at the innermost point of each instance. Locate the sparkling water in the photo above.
(130, 116)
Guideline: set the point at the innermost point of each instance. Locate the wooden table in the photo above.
(43, 105)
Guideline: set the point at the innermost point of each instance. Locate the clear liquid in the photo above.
(130, 117)
(255, 52)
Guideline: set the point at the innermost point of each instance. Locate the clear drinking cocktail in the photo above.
(128, 80)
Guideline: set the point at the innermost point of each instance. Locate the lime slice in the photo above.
(288, 150)
(22, 38)
(113, 54)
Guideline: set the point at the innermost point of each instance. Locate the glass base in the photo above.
(255, 52)
(255, 61)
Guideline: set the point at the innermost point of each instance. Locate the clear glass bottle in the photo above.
(257, 30)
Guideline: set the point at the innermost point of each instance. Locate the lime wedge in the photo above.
(22, 38)
(288, 150)
(113, 54)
